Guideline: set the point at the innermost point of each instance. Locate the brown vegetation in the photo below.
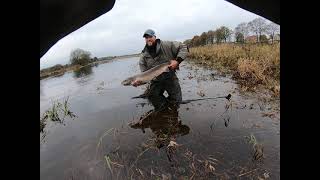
(250, 64)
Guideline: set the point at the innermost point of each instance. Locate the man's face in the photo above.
(150, 40)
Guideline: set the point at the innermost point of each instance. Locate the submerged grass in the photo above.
(257, 148)
(57, 113)
(171, 160)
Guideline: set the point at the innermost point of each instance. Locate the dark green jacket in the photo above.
(165, 51)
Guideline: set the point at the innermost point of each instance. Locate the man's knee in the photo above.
(174, 91)
(156, 96)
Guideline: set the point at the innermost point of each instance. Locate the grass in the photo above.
(162, 157)
(257, 148)
(173, 160)
(251, 65)
(55, 113)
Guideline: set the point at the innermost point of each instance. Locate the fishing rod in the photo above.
(190, 100)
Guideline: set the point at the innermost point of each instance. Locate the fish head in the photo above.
(127, 81)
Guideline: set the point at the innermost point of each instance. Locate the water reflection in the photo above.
(164, 124)
(82, 72)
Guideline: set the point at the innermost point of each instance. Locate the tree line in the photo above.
(258, 27)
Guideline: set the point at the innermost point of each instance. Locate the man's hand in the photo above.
(136, 83)
(174, 64)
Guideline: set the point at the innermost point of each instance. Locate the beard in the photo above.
(150, 43)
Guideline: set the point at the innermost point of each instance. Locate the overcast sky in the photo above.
(119, 31)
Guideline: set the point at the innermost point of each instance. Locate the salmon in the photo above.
(148, 75)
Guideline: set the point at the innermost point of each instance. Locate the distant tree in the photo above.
(241, 32)
(219, 35)
(263, 38)
(214, 36)
(239, 37)
(230, 35)
(272, 30)
(203, 38)
(195, 41)
(258, 26)
(187, 42)
(80, 57)
(211, 36)
(223, 33)
(191, 43)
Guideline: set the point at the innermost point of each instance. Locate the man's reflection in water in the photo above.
(163, 122)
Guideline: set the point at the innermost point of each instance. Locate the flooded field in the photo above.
(207, 139)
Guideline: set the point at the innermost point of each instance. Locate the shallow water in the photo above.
(201, 129)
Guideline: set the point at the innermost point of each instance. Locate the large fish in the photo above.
(148, 75)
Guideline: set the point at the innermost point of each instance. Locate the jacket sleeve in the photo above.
(142, 63)
(181, 50)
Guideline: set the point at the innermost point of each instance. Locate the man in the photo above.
(157, 52)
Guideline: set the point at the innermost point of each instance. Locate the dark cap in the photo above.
(149, 32)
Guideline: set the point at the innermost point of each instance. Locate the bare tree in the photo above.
(273, 29)
(258, 26)
(241, 32)
(230, 35)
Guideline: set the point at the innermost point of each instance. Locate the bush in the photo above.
(80, 57)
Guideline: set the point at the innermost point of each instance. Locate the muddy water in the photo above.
(210, 133)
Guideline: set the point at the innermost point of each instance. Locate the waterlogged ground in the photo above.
(205, 139)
